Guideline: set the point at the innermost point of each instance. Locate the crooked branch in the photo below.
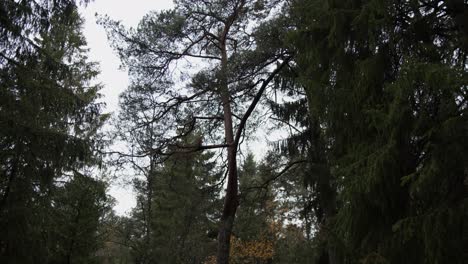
(256, 99)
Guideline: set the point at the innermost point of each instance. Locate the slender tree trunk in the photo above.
(11, 178)
(229, 210)
(328, 203)
(149, 196)
(74, 233)
(325, 189)
(231, 199)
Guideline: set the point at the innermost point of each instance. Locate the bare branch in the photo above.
(209, 117)
(256, 99)
(274, 178)
(194, 148)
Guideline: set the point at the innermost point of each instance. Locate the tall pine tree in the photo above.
(236, 49)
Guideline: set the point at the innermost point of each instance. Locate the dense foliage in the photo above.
(386, 81)
(49, 205)
(370, 98)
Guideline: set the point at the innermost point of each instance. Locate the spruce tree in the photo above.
(387, 83)
(48, 121)
(183, 217)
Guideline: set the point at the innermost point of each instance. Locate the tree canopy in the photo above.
(369, 99)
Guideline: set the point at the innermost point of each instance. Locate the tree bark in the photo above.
(231, 199)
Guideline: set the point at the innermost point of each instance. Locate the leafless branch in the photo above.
(274, 178)
(256, 99)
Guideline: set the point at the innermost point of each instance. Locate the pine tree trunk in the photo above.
(230, 202)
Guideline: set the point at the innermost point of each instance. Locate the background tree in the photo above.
(254, 234)
(75, 219)
(184, 212)
(186, 201)
(119, 241)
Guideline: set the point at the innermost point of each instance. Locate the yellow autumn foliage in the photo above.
(260, 250)
(210, 260)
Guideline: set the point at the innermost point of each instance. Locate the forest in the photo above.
(364, 104)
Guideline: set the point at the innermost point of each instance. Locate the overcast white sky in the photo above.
(130, 13)
(114, 80)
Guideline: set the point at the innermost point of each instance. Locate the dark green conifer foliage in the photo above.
(256, 205)
(48, 121)
(74, 219)
(184, 198)
(310, 182)
(387, 82)
(186, 201)
(251, 219)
